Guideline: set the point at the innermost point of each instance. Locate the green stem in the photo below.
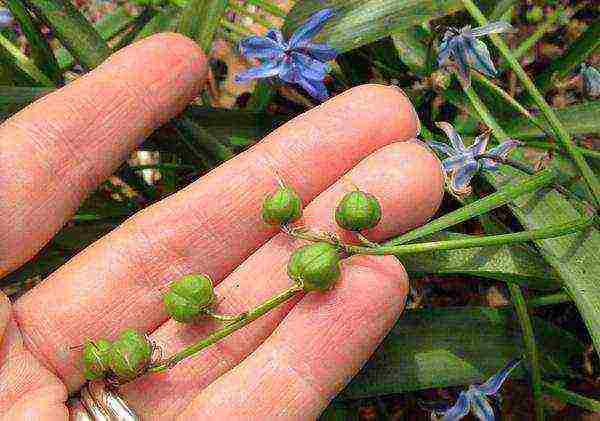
(531, 347)
(550, 146)
(269, 7)
(227, 330)
(509, 100)
(548, 300)
(537, 35)
(24, 63)
(571, 397)
(501, 197)
(561, 134)
(476, 241)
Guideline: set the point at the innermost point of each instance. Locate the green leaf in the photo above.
(455, 346)
(411, 49)
(40, 51)
(11, 55)
(510, 263)
(581, 49)
(166, 20)
(574, 256)
(577, 119)
(108, 27)
(73, 30)
(359, 22)
(200, 20)
(13, 98)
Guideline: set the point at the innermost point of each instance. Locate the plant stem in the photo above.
(531, 347)
(561, 134)
(571, 397)
(506, 161)
(550, 299)
(227, 330)
(501, 197)
(476, 241)
(553, 147)
(538, 34)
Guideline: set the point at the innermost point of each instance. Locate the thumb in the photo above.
(27, 389)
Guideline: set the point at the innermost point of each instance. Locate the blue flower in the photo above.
(462, 162)
(6, 18)
(475, 399)
(297, 60)
(467, 51)
(591, 80)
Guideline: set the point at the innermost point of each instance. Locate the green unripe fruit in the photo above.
(189, 297)
(282, 207)
(129, 355)
(358, 211)
(315, 266)
(95, 359)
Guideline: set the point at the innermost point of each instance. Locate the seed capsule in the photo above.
(357, 211)
(95, 359)
(129, 355)
(283, 206)
(315, 266)
(189, 297)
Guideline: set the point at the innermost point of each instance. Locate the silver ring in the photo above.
(99, 403)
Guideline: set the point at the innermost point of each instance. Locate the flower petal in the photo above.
(491, 28)
(442, 148)
(453, 136)
(309, 67)
(462, 60)
(277, 36)
(591, 80)
(502, 150)
(310, 28)
(454, 163)
(260, 47)
(269, 69)
(481, 408)
(460, 408)
(447, 47)
(315, 88)
(6, 18)
(479, 145)
(478, 57)
(322, 52)
(461, 178)
(494, 383)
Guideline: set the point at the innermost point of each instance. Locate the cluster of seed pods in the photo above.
(314, 267)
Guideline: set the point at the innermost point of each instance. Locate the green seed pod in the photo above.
(95, 359)
(315, 266)
(129, 355)
(189, 297)
(283, 206)
(358, 211)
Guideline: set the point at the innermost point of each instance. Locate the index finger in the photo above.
(61, 147)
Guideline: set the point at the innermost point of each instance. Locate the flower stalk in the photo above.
(243, 320)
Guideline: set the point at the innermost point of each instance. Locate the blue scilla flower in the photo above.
(462, 162)
(591, 80)
(475, 398)
(6, 18)
(297, 60)
(467, 51)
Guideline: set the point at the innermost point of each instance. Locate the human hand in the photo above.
(287, 364)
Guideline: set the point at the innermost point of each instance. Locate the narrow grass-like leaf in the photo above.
(573, 398)
(359, 22)
(73, 30)
(580, 119)
(455, 346)
(411, 49)
(581, 49)
(165, 20)
(486, 204)
(111, 25)
(13, 98)
(12, 55)
(509, 263)
(531, 348)
(40, 51)
(200, 21)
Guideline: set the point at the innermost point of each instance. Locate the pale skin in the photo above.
(286, 365)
